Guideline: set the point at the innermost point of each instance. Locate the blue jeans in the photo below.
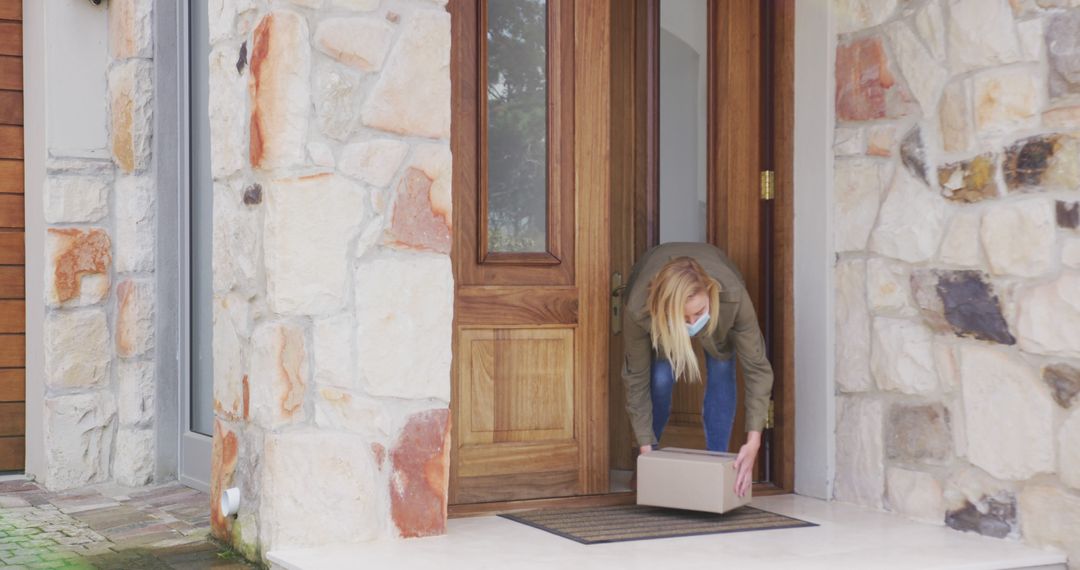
(718, 409)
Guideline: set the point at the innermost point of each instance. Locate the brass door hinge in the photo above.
(768, 185)
(770, 420)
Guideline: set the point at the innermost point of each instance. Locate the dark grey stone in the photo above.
(971, 307)
(253, 194)
(1068, 215)
(1064, 382)
(913, 155)
(1027, 160)
(241, 61)
(998, 521)
(1063, 50)
(918, 433)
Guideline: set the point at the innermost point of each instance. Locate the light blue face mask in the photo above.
(699, 324)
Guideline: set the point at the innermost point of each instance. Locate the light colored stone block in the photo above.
(852, 328)
(279, 374)
(961, 244)
(404, 310)
(77, 350)
(1069, 439)
(1006, 99)
(293, 511)
(852, 15)
(901, 357)
(1048, 317)
(358, 5)
(412, 96)
(954, 116)
(1051, 516)
(131, 106)
(888, 287)
(339, 410)
(374, 162)
(227, 111)
(860, 464)
(981, 34)
(911, 222)
(998, 386)
(79, 432)
(135, 224)
(321, 154)
(232, 336)
(858, 190)
(76, 199)
(334, 340)
(130, 29)
(930, 23)
(1018, 237)
(925, 77)
(1070, 253)
(237, 243)
(134, 317)
(915, 494)
(133, 464)
(279, 89)
(849, 141)
(339, 97)
(309, 224)
(135, 396)
(361, 43)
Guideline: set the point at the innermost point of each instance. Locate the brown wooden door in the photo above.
(530, 193)
(737, 141)
(12, 304)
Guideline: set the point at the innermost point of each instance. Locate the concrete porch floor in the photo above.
(849, 537)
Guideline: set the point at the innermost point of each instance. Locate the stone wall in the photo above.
(333, 290)
(100, 247)
(958, 276)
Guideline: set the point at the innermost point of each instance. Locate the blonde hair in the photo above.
(680, 279)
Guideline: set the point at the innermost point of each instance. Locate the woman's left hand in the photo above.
(744, 463)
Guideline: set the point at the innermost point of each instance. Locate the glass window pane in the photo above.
(683, 120)
(517, 125)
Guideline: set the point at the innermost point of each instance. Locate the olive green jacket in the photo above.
(737, 332)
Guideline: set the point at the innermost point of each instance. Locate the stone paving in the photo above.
(164, 527)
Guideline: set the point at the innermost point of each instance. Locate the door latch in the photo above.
(616, 302)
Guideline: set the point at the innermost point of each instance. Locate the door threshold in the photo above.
(580, 501)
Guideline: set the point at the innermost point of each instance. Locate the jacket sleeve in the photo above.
(757, 372)
(637, 366)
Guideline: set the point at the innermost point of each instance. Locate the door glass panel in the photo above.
(683, 120)
(517, 125)
(201, 207)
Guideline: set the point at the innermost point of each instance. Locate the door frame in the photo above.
(592, 83)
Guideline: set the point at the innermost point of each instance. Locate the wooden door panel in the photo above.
(517, 385)
(528, 393)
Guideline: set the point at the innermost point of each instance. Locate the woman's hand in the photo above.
(744, 463)
(645, 449)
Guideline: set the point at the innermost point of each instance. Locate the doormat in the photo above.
(598, 525)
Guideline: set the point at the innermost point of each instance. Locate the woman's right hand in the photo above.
(645, 449)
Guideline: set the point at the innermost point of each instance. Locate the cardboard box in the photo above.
(692, 479)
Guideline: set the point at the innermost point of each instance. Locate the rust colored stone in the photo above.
(421, 473)
(418, 223)
(125, 297)
(976, 179)
(380, 454)
(81, 253)
(259, 50)
(223, 458)
(866, 88)
(291, 363)
(1068, 215)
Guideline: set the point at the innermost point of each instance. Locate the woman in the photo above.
(683, 291)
